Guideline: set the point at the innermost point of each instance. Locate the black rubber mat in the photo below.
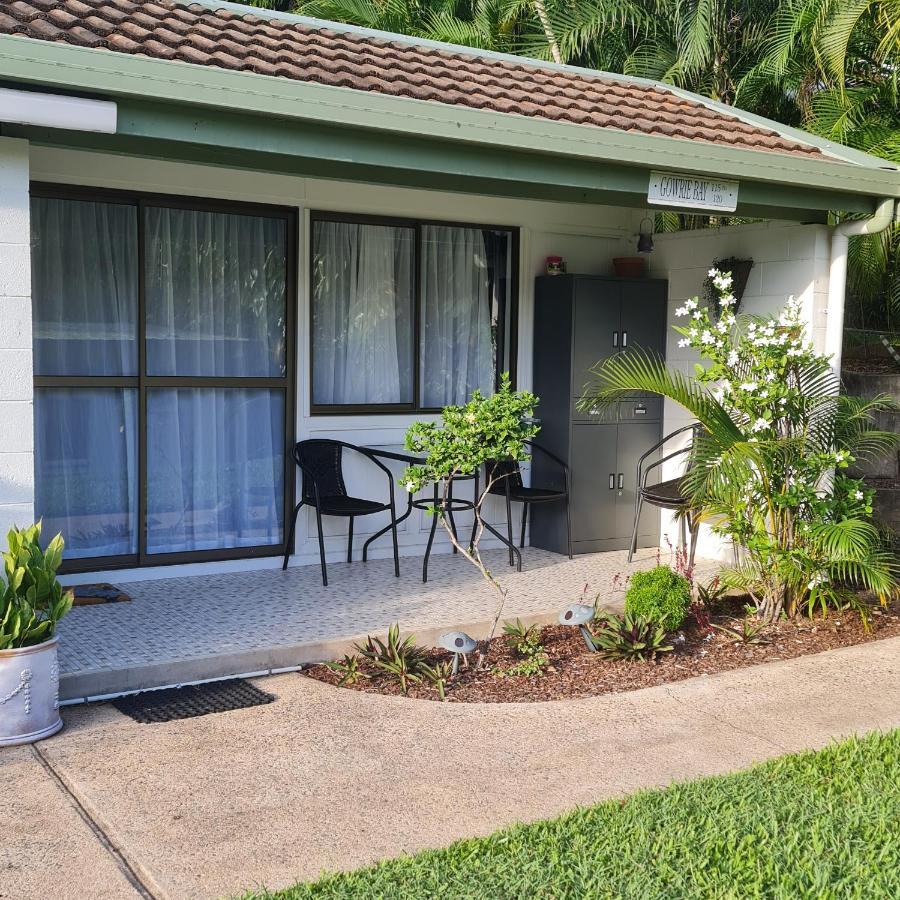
(171, 704)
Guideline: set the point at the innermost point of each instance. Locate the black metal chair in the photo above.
(321, 463)
(671, 494)
(509, 484)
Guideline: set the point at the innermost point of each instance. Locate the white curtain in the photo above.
(457, 315)
(363, 279)
(215, 293)
(215, 468)
(86, 468)
(84, 287)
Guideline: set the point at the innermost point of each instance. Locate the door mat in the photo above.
(91, 594)
(171, 704)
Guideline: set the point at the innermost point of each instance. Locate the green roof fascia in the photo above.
(311, 149)
(841, 151)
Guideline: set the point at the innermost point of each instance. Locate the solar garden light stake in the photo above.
(459, 644)
(579, 614)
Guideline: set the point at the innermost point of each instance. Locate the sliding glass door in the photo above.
(163, 388)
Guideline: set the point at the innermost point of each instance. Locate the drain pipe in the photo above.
(837, 275)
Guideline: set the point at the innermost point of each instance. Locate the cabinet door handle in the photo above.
(615, 339)
(612, 481)
(624, 338)
(621, 480)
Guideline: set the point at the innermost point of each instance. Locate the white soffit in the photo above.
(57, 111)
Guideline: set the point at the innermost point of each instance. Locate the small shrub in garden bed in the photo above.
(659, 595)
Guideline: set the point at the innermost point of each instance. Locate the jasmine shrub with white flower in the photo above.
(469, 437)
(769, 467)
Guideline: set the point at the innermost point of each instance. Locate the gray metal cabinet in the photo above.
(580, 320)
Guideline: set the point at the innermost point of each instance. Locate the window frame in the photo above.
(509, 340)
(143, 383)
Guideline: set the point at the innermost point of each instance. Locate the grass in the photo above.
(814, 825)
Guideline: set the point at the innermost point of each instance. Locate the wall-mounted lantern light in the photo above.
(645, 238)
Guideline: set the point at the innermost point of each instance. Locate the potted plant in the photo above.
(32, 601)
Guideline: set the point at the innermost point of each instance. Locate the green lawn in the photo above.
(815, 825)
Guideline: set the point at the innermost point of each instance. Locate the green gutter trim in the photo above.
(115, 74)
(839, 151)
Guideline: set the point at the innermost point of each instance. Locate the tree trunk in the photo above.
(541, 11)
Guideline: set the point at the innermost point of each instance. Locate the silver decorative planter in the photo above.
(29, 694)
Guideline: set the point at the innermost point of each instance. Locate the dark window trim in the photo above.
(143, 382)
(512, 337)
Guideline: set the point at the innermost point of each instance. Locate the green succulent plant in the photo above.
(396, 657)
(32, 600)
(631, 637)
(348, 668)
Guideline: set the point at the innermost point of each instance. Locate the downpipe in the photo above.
(837, 274)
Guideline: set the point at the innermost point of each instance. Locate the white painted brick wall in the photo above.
(787, 259)
(16, 392)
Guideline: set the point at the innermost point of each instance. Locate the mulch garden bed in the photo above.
(574, 672)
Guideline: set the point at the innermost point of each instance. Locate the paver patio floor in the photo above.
(330, 779)
(207, 626)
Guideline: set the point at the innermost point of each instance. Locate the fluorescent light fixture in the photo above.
(57, 111)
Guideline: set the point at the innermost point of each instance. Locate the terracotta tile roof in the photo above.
(281, 48)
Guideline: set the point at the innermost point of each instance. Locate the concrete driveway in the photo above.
(326, 779)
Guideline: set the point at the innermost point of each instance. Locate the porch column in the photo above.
(16, 390)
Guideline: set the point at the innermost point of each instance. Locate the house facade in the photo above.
(224, 230)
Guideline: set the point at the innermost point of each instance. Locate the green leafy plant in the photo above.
(769, 463)
(630, 637)
(711, 594)
(659, 595)
(747, 632)
(465, 439)
(437, 676)
(348, 668)
(32, 600)
(522, 638)
(396, 657)
(532, 665)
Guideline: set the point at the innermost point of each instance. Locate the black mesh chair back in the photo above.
(505, 471)
(321, 464)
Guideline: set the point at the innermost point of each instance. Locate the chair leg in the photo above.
(509, 534)
(434, 520)
(396, 545)
(350, 541)
(290, 538)
(638, 504)
(450, 518)
(695, 531)
(321, 547)
(568, 525)
(524, 523)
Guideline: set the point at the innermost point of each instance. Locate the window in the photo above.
(162, 376)
(408, 315)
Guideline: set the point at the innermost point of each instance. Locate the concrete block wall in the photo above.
(16, 391)
(787, 259)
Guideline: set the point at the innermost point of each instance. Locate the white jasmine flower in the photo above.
(684, 342)
(681, 311)
(691, 304)
(749, 386)
(858, 495)
(760, 424)
(712, 273)
(698, 315)
(693, 333)
(733, 358)
(706, 337)
(410, 487)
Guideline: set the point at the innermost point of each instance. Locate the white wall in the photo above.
(16, 430)
(588, 237)
(787, 259)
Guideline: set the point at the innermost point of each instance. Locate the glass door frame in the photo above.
(143, 383)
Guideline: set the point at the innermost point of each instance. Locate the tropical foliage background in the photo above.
(829, 66)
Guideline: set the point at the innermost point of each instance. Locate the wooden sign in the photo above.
(692, 192)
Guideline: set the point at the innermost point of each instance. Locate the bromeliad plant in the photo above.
(32, 601)
(769, 467)
(467, 438)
